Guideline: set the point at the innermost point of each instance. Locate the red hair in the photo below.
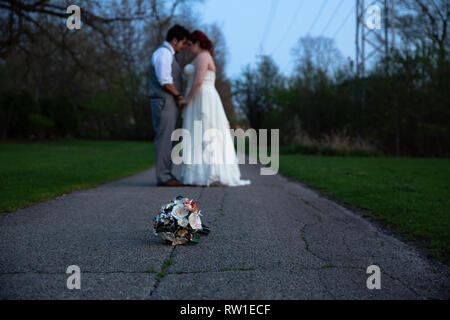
(205, 43)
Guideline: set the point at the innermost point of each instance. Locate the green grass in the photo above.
(411, 196)
(32, 172)
(167, 263)
(164, 269)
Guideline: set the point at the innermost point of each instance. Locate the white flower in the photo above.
(178, 212)
(183, 222)
(195, 222)
(179, 202)
(169, 205)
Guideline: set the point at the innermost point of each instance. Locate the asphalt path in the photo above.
(275, 239)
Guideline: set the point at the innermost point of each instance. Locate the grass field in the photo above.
(412, 196)
(31, 172)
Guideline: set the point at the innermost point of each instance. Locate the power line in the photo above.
(318, 16)
(312, 26)
(270, 18)
(344, 22)
(333, 16)
(329, 22)
(290, 27)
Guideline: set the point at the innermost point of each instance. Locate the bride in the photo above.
(204, 107)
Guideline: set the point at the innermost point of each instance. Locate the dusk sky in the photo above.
(252, 27)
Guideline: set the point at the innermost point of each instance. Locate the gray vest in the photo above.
(156, 90)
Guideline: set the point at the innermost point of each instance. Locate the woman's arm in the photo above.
(201, 66)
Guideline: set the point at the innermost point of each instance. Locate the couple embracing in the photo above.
(200, 103)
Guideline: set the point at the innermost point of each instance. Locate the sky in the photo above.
(253, 27)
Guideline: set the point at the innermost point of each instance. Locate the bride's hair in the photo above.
(205, 43)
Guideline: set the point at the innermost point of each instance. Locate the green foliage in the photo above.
(255, 91)
(15, 108)
(99, 104)
(92, 83)
(326, 151)
(40, 125)
(63, 112)
(167, 263)
(119, 113)
(401, 107)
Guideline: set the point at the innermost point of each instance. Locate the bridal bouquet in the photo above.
(179, 222)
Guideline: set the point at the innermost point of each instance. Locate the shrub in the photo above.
(40, 125)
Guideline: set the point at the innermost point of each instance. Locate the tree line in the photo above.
(89, 83)
(93, 83)
(400, 107)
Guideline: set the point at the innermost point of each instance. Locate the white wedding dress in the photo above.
(219, 163)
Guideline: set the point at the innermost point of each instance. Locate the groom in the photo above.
(166, 86)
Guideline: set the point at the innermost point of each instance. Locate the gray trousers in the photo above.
(164, 115)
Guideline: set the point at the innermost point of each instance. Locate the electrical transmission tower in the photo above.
(370, 42)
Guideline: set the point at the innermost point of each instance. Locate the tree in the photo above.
(317, 52)
(247, 97)
(24, 20)
(255, 91)
(425, 22)
(223, 84)
(96, 77)
(269, 81)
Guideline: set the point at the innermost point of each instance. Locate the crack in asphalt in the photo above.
(325, 286)
(268, 270)
(307, 248)
(344, 237)
(303, 236)
(220, 208)
(213, 271)
(404, 284)
(164, 271)
(309, 204)
(226, 269)
(82, 272)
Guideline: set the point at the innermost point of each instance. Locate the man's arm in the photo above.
(177, 95)
(171, 89)
(163, 67)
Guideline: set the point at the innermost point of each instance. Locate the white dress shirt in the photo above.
(162, 60)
